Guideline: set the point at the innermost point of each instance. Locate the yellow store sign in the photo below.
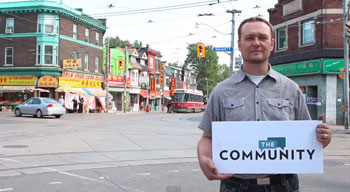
(47, 81)
(71, 63)
(17, 80)
(73, 82)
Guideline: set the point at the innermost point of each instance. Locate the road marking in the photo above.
(11, 160)
(73, 175)
(347, 164)
(55, 183)
(174, 171)
(7, 189)
(144, 174)
(195, 169)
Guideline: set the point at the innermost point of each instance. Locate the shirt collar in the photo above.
(240, 74)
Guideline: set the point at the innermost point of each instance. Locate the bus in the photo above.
(188, 100)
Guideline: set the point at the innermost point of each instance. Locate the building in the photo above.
(48, 49)
(309, 50)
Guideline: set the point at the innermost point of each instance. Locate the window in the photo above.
(142, 62)
(96, 64)
(308, 32)
(9, 56)
(75, 31)
(151, 63)
(86, 61)
(10, 25)
(40, 23)
(49, 23)
(75, 54)
(282, 38)
(134, 77)
(38, 55)
(97, 39)
(48, 54)
(87, 35)
(133, 60)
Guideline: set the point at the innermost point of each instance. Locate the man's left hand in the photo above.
(324, 134)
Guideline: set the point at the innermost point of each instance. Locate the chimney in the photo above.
(103, 21)
(79, 9)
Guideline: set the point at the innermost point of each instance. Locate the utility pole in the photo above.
(346, 66)
(233, 12)
(125, 66)
(207, 87)
(107, 75)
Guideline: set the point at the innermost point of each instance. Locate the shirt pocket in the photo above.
(234, 109)
(278, 109)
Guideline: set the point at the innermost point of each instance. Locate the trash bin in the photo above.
(148, 108)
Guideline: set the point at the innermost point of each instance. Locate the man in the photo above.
(61, 100)
(255, 93)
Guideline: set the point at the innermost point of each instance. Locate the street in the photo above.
(132, 152)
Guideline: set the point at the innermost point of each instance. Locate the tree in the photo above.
(206, 67)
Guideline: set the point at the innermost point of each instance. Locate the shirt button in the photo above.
(231, 105)
(279, 104)
(257, 102)
(257, 86)
(258, 119)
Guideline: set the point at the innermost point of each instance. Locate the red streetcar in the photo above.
(188, 100)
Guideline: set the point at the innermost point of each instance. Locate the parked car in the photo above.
(39, 107)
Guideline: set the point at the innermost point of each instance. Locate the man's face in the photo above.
(256, 42)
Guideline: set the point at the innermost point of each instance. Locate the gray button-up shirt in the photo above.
(275, 98)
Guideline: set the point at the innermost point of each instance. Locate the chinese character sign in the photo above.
(71, 63)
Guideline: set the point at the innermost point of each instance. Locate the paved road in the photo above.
(124, 152)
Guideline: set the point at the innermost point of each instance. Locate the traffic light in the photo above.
(200, 50)
(121, 64)
(348, 26)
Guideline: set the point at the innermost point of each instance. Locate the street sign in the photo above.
(216, 49)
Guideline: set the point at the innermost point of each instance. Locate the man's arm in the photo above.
(204, 150)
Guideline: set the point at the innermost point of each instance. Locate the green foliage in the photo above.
(117, 42)
(206, 67)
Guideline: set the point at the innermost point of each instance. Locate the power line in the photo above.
(158, 9)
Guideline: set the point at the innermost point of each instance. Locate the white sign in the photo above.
(256, 147)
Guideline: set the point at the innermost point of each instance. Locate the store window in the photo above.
(10, 25)
(48, 54)
(308, 32)
(86, 61)
(87, 35)
(9, 56)
(75, 31)
(282, 38)
(96, 64)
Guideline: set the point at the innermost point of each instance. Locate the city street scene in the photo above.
(174, 96)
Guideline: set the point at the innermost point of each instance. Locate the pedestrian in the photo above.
(81, 104)
(252, 90)
(75, 104)
(141, 105)
(61, 100)
(169, 107)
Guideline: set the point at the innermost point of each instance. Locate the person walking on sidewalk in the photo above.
(253, 88)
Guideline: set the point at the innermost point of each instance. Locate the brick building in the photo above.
(309, 50)
(48, 47)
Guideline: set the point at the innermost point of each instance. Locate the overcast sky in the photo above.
(169, 31)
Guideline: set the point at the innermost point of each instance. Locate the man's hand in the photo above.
(205, 159)
(323, 133)
(210, 171)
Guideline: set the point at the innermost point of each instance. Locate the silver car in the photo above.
(39, 107)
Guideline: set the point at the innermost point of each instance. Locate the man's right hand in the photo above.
(210, 171)
(205, 159)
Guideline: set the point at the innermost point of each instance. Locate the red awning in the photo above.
(145, 95)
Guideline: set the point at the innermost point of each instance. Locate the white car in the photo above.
(39, 107)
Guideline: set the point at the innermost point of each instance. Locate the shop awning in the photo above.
(39, 89)
(98, 92)
(74, 90)
(15, 88)
(145, 96)
(169, 98)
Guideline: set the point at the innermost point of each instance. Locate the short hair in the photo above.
(254, 19)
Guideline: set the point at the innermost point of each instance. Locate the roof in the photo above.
(136, 65)
(28, 7)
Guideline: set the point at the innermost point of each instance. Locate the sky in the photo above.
(171, 31)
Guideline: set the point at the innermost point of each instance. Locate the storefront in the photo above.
(82, 85)
(15, 89)
(321, 85)
(116, 89)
